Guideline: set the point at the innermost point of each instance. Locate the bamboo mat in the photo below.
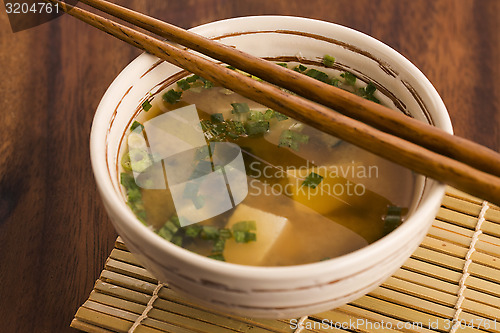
(454, 274)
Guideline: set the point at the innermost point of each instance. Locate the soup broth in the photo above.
(228, 178)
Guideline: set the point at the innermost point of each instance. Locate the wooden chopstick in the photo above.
(356, 107)
(408, 154)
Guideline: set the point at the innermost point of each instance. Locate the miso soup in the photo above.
(228, 178)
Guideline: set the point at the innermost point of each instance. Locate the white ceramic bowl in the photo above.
(272, 292)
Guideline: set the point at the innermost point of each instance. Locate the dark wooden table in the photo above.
(54, 233)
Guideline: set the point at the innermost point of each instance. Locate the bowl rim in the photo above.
(126, 216)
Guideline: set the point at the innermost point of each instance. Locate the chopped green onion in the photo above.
(213, 131)
(206, 84)
(258, 115)
(219, 128)
(239, 236)
(373, 99)
(146, 105)
(300, 68)
(217, 118)
(177, 240)
(368, 91)
(318, 75)
(292, 139)
(236, 127)
(139, 160)
(219, 245)
(250, 237)
(244, 226)
(217, 256)
(192, 78)
(225, 233)
(255, 115)
(175, 220)
(172, 231)
(135, 125)
(171, 226)
(256, 127)
(197, 86)
(172, 96)
(312, 180)
(328, 60)
(192, 231)
(165, 233)
(349, 78)
(209, 232)
(392, 219)
(205, 125)
(134, 195)
(183, 84)
(244, 236)
(140, 213)
(268, 114)
(282, 64)
(240, 108)
(334, 82)
(280, 116)
(126, 162)
(370, 88)
(242, 231)
(128, 181)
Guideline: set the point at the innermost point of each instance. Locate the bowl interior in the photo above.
(404, 86)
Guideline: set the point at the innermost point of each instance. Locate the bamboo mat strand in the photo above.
(453, 275)
(468, 261)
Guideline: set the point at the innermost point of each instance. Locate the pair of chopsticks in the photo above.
(423, 148)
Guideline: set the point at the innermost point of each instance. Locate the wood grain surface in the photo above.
(54, 232)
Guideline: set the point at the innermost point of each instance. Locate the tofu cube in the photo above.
(269, 229)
